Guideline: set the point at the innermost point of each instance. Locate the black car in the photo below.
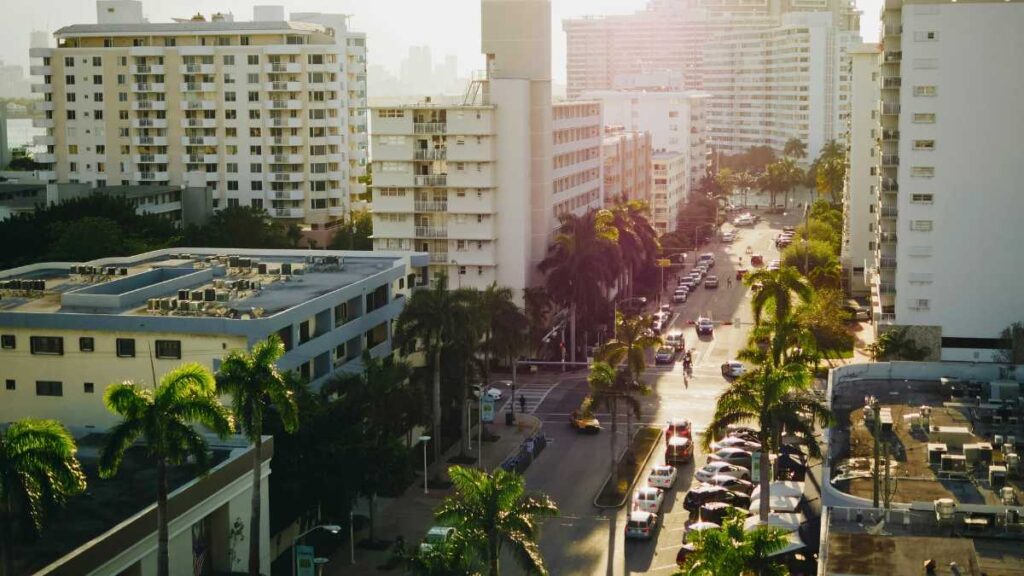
(701, 495)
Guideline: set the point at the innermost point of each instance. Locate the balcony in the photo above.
(42, 88)
(435, 154)
(885, 318)
(197, 68)
(286, 141)
(282, 104)
(886, 288)
(279, 68)
(46, 158)
(46, 175)
(148, 87)
(890, 160)
(149, 123)
(40, 70)
(43, 140)
(282, 86)
(438, 257)
(337, 175)
(287, 212)
(431, 180)
(40, 52)
(422, 206)
(149, 158)
(198, 87)
(890, 135)
(887, 238)
(892, 82)
(431, 232)
(287, 176)
(42, 122)
(151, 176)
(198, 104)
(147, 69)
(288, 159)
(893, 57)
(890, 186)
(887, 263)
(890, 108)
(430, 127)
(44, 106)
(889, 213)
(200, 158)
(290, 122)
(198, 122)
(149, 140)
(893, 29)
(149, 105)
(199, 141)
(289, 195)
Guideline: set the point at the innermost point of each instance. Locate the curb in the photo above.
(636, 477)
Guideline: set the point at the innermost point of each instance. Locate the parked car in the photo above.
(790, 229)
(736, 456)
(733, 369)
(679, 450)
(724, 468)
(728, 237)
(675, 340)
(731, 483)
(648, 499)
(663, 477)
(705, 326)
(436, 536)
(678, 427)
(717, 512)
(679, 296)
(735, 442)
(711, 282)
(494, 393)
(703, 494)
(744, 220)
(665, 355)
(707, 258)
(641, 525)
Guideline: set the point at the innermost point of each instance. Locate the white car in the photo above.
(744, 220)
(728, 237)
(648, 499)
(737, 456)
(713, 469)
(774, 265)
(735, 442)
(675, 340)
(494, 394)
(733, 369)
(436, 536)
(641, 525)
(663, 477)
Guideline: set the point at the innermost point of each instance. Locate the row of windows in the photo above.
(49, 387)
(54, 346)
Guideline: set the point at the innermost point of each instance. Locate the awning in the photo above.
(777, 504)
(786, 488)
(786, 521)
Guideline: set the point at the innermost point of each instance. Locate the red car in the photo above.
(678, 427)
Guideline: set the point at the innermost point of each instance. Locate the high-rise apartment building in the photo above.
(576, 138)
(626, 158)
(670, 187)
(269, 112)
(773, 84)
(949, 171)
(471, 183)
(860, 193)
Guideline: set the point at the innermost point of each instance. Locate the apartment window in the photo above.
(254, 114)
(257, 202)
(924, 144)
(170, 41)
(97, 97)
(10, 384)
(231, 167)
(49, 388)
(922, 198)
(46, 345)
(254, 96)
(86, 344)
(101, 149)
(69, 61)
(72, 149)
(925, 91)
(921, 225)
(229, 96)
(122, 114)
(256, 168)
(233, 186)
(253, 78)
(88, 388)
(126, 348)
(8, 342)
(462, 270)
(97, 79)
(122, 96)
(231, 114)
(244, 40)
(97, 114)
(229, 79)
(920, 304)
(922, 171)
(924, 118)
(926, 36)
(69, 79)
(170, 349)
(229, 60)
(253, 59)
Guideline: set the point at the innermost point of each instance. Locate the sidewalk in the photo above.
(412, 514)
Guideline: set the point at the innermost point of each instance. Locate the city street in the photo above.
(588, 540)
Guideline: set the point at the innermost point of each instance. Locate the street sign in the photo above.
(487, 409)
(664, 262)
(304, 561)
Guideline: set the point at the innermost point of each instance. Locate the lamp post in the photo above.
(332, 528)
(424, 440)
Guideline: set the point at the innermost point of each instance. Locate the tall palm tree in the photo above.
(638, 240)
(163, 418)
(778, 342)
(493, 511)
(726, 181)
(831, 171)
(38, 469)
(791, 175)
(745, 180)
(634, 338)
(608, 387)
(255, 385)
(778, 291)
(428, 322)
(581, 264)
(537, 304)
(503, 323)
(795, 148)
(776, 398)
(733, 551)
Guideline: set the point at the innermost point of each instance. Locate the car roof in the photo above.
(733, 450)
(647, 490)
(705, 488)
(678, 422)
(639, 516)
(440, 530)
(665, 467)
(678, 441)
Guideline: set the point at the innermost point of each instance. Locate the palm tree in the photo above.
(449, 558)
(163, 417)
(776, 398)
(726, 181)
(777, 291)
(504, 325)
(898, 345)
(831, 171)
(633, 339)
(255, 385)
(779, 342)
(745, 181)
(38, 469)
(581, 264)
(493, 511)
(607, 387)
(791, 176)
(795, 148)
(638, 241)
(537, 304)
(429, 320)
(733, 551)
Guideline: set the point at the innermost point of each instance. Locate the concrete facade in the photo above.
(860, 194)
(626, 160)
(670, 188)
(576, 139)
(949, 172)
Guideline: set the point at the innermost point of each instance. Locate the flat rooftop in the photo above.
(220, 283)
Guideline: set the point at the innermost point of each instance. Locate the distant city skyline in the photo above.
(454, 30)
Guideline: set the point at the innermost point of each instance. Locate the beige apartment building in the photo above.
(269, 113)
(860, 192)
(626, 157)
(577, 139)
(669, 189)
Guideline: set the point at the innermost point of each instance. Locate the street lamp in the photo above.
(332, 528)
(424, 440)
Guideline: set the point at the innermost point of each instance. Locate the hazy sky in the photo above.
(391, 26)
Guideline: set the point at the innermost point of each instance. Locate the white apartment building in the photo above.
(269, 111)
(576, 144)
(626, 160)
(773, 84)
(670, 188)
(472, 183)
(674, 120)
(860, 194)
(948, 247)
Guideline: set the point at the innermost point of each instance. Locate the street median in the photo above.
(645, 441)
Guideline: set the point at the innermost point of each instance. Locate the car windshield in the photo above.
(637, 524)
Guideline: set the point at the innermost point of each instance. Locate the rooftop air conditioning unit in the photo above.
(197, 296)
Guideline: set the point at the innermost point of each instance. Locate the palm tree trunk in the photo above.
(162, 558)
(629, 430)
(493, 551)
(464, 412)
(765, 479)
(437, 404)
(572, 332)
(6, 538)
(615, 432)
(254, 518)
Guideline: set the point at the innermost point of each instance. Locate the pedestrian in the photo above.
(522, 404)
(686, 382)
(728, 281)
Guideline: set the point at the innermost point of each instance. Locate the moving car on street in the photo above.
(678, 427)
(665, 355)
(679, 451)
(675, 340)
(711, 282)
(704, 326)
(733, 369)
(585, 423)
(663, 477)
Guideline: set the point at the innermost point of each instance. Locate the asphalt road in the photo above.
(587, 540)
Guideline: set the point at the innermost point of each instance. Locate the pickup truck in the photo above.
(584, 422)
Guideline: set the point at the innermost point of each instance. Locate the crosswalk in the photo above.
(533, 392)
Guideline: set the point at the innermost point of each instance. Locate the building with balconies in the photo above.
(576, 166)
(670, 188)
(626, 165)
(132, 102)
(948, 170)
(470, 182)
(860, 192)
